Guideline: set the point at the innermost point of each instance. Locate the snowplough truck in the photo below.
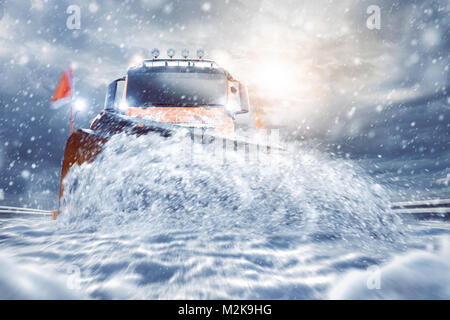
(162, 96)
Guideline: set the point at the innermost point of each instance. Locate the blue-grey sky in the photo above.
(311, 66)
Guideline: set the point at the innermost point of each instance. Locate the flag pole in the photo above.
(71, 117)
(72, 100)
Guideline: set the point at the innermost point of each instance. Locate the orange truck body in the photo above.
(84, 145)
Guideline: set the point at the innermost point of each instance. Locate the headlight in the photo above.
(170, 53)
(155, 53)
(185, 53)
(80, 105)
(123, 106)
(200, 53)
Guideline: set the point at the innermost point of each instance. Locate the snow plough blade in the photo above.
(84, 145)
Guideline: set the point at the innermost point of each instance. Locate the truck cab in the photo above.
(161, 96)
(185, 92)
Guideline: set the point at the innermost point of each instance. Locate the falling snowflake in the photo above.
(93, 7)
(206, 6)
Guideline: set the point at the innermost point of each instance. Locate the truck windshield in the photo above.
(176, 89)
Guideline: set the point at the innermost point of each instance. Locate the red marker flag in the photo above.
(63, 92)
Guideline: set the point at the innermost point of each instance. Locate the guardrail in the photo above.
(425, 208)
(17, 210)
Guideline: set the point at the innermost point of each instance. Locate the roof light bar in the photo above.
(171, 53)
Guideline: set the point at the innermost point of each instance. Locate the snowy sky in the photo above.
(313, 66)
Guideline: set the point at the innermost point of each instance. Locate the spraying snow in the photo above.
(148, 221)
(150, 182)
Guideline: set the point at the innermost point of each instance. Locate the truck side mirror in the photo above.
(245, 101)
(111, 94)
(238, 101)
